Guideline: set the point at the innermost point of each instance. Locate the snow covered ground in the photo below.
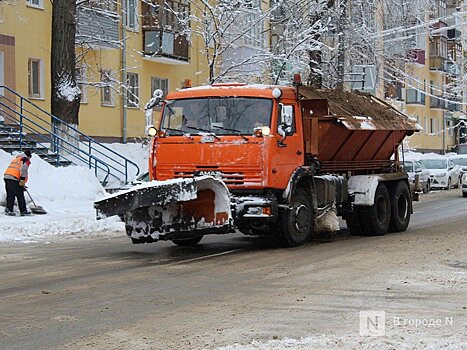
(67, 194)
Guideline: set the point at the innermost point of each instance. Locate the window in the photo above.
(35, 3)
(35, 77)
(286, 120)
(106, 90)
(2, 73)
(160, 83)
(81, 81)
(432, 126)
(131, 14)
(132, 89)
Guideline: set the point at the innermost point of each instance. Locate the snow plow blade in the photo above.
(172, 209)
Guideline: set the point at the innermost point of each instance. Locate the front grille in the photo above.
(233, 176)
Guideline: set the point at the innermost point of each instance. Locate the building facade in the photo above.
(124, 52)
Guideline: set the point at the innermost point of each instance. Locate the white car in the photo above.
(414, 167)
(461, 161)
(443, 172)
(464, 185)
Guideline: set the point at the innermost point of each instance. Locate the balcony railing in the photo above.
(415, 97)
(437, 103)
(158, 42)
(454, 107)
(437, 63)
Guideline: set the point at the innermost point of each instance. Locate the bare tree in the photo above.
(65, 96)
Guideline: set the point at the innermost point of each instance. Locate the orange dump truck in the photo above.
(283, 161)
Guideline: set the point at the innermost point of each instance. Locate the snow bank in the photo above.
(335, 342)
(67, 193)
(411, 155)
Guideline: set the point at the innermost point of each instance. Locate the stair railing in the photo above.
(77, 149)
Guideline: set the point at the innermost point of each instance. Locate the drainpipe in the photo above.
(123, 96)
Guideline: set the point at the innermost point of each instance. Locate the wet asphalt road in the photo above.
(68, 293)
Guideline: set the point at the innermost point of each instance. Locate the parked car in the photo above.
(461, 161)
(414, 167)
(464, 185)
(443, 172)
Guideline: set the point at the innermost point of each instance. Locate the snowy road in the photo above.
(108, 294)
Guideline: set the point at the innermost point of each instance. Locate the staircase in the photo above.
(24, 125)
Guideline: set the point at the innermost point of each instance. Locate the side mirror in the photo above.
(156, 100)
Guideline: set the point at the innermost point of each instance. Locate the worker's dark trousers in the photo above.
(13, 189)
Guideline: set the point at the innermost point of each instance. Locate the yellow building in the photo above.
(119, 62)
(431, 95)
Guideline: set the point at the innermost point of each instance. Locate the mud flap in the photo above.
(172, 209)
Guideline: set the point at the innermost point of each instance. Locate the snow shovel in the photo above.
(36, 209)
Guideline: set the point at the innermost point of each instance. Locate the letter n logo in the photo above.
(372, 323)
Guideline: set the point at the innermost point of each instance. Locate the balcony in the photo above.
(165, 46)
(438, 63)
(416, 56)
(436, 103)
(415, 97)
(162, 38)
(454, 107)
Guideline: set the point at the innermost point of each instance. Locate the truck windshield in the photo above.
(218, 115)
(434, 163)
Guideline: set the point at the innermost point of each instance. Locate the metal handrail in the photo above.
(97, 162)
(92, 150)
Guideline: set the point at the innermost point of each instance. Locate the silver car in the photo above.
(414, 167)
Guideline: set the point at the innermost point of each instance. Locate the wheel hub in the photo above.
(300, 218)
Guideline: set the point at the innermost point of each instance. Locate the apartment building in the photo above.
(123, 54)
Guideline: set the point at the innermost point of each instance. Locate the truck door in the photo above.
(288, 153)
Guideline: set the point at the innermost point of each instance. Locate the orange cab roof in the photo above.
(231, 89)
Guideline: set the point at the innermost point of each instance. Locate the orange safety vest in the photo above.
(14, 169)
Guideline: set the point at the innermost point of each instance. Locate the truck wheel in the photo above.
(297, 223)
(188, 242)
(464, 194)
(378, 216)
(400, 207)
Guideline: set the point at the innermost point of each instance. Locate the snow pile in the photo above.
(335, 342)
(66, 193)
(411, 155)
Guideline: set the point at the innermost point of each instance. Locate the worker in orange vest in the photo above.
(15, 177)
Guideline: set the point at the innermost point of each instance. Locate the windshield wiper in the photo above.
(237, 132)
(177, 130)
(204, 130)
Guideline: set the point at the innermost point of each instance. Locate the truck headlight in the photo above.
(441, 175)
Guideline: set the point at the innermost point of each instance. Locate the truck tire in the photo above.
(400, 207)
(377, 217)
(188, 242)
(296, 225)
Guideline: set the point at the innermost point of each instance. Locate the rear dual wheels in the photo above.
(400, 207)
(388, 213)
